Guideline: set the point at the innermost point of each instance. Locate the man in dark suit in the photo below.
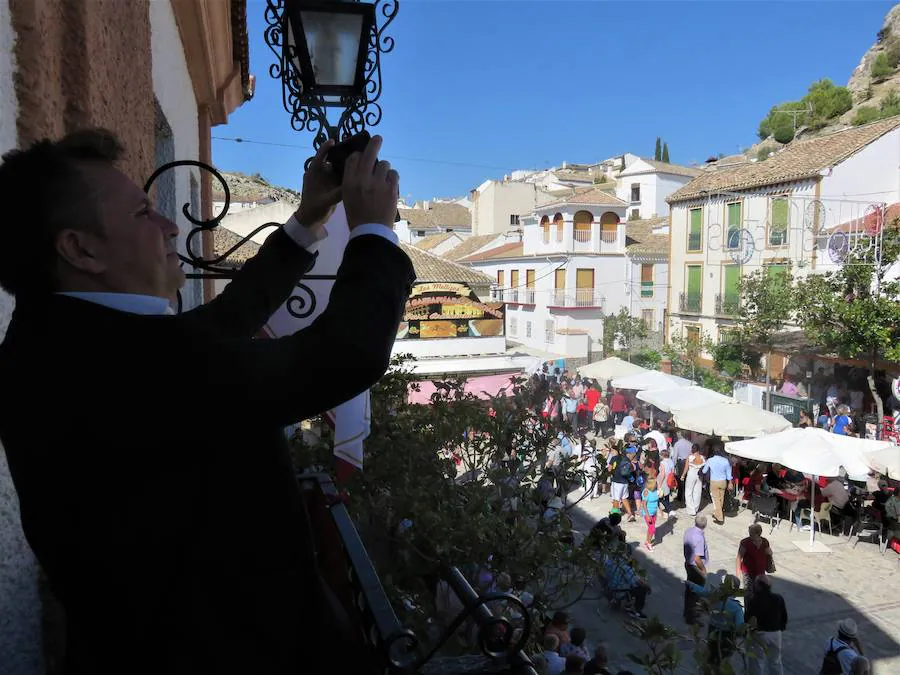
(147, 448)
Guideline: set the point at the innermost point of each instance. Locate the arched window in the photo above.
(558, 221)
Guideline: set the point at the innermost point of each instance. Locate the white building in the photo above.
(498, 205)
(433, 217)
(570, 268)
(794, 212)
(645, 183)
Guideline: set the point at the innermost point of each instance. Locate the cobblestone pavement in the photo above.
(819, 588)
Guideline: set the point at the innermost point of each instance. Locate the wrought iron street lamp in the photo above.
(328, 55)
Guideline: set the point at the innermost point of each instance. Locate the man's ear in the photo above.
(80, 250)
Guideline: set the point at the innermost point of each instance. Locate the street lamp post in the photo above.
(328, 56)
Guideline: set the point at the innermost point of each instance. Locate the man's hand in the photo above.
(371, 188)
(321, 192)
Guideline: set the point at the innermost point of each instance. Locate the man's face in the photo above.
(136, 249)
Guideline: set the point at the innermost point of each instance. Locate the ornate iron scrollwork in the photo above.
(310, 114)
(300, 305)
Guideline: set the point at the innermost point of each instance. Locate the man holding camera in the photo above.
(160, 498)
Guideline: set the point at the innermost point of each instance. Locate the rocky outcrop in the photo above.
(253, 188)
(861, 79)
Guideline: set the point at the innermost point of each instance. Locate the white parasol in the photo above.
(650, 379)
(610, 368)
(731, 418)
(681, 398)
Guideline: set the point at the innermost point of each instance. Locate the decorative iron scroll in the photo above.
(300, 305)
(310, 113)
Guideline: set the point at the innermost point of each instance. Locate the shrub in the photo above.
(881, 68)
(600, 179)
(763, 152)
(764, 130)
(827, 101)
(893, 53)
(890, 104)
(865, 114)
(647, 358)
(783, 128)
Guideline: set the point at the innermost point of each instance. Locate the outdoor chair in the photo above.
(820, 517)
(765, 506)
(866, 526)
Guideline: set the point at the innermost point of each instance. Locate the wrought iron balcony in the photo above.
(350, 574)
(528, 296)
(727, 305)
(690, 303)
(579, 297)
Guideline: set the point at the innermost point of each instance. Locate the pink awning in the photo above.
(483, 386)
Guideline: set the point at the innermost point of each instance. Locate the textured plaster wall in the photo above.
(86, 63)
(20, 608)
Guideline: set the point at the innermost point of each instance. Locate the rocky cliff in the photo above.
(244, 188)
(865, 90)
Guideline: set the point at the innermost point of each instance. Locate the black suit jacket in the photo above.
(148, 455)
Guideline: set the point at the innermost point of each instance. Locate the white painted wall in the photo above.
(655, 187)
(20, 606)
(244, 222)
(637, 304)
(495, 201)
(871, 175)
(175, 93)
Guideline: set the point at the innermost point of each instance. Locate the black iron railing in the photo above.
(727, 305)
(690, 303)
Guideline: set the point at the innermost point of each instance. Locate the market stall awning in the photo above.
(681, 398)
(483, 387)
(813, 451)
(610, 368)
(731, 418)
(651, 379)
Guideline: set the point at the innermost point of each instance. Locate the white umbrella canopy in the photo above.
(609, 368)
(650, 379)
(681, 398)
(731, 418)
(884, 460)
(813, 451)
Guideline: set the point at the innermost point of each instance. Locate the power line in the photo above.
(402, 157)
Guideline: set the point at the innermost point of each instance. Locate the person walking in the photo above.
(621, 469)
(666, 481)
(770, 612)
(618, 405)
(601, 417)
(719, 469)
(842, 651)
(690, 476)
(570, 403)
(650, 501)
(753, 557)
(681, 450)
(696, 557)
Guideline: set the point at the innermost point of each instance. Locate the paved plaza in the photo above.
(819, 588)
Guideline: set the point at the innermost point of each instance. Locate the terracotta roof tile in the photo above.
(513, 250)
(225, 239)
(433, 241)
(430, 267)
(798, 160)
(674, 169)
(438, 214)
(470, 245)
(592, 196)
(640, 239)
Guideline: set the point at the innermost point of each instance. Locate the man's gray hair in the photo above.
(700, 521)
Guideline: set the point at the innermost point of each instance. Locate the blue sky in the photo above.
(474, 89)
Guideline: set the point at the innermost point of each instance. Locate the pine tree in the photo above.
(665, 153)
(658, 154)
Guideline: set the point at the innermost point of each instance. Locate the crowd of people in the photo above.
(652, 470)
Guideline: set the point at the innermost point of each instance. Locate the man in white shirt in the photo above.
(680, 452)
(836, 493)
(555, 663)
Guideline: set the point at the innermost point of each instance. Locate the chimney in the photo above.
(666, 365)
(426, 204)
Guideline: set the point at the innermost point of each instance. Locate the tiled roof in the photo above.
(469, 246)
(430, 267)
(798, 160)
(592, 196)
(240, 45)
(582, 176)
(224, 239)
(513, 250)
(674, 169)
(640, 239)
(438, 214)
(433, 241)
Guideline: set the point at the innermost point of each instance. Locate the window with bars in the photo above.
(549, 331)
(513, 219)
(635, 192)
(647, 280)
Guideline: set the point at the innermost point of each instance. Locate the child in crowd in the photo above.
(650, 499)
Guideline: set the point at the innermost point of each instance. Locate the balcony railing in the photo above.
(545, 236)
(512, 295)
(646, 289)
(528, 296)
(690, 303)
(580, 297)
(727, 304)
(582, 236)
(350, 575)
(609, 236)
(694, 242)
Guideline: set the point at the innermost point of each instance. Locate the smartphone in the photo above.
(338, 155)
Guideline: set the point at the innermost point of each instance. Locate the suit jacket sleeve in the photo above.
(261, 287)
(344, 351)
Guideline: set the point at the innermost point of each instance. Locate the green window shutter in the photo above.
(734, 226)
(732, 281)
(695, 232)
(772, 270)
(779, 225)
